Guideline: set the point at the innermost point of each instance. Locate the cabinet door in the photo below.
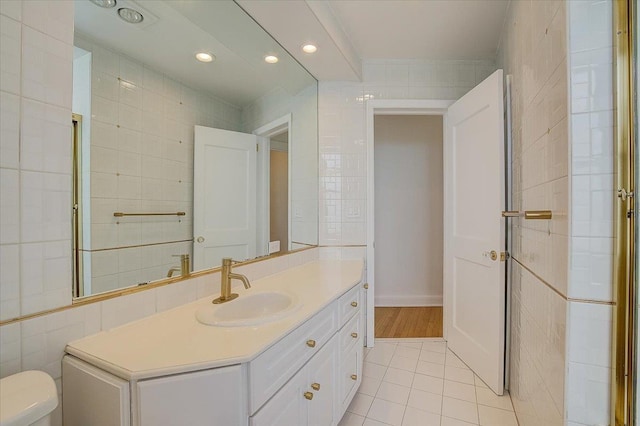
(321, 382)
(211, 397)
(287, 407)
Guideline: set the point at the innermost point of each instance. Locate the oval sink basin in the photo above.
(252, 309)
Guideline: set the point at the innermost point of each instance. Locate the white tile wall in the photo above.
(36, 50)
(341, 128)
(141, 160)
(39, 343)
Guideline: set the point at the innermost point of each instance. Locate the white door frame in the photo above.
(263, 173)
(388, 107)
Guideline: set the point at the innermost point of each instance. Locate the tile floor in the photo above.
(419, 382)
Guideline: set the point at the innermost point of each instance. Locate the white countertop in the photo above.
(175, 342)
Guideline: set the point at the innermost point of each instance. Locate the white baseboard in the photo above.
(408, 300)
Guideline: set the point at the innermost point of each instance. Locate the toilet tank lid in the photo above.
(26, 397)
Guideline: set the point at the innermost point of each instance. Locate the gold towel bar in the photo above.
(121, 214)
(528, 214)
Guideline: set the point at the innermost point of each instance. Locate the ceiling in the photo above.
(174, 30)
(350, 31)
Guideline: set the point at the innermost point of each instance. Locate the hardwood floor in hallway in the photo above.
(402, 322)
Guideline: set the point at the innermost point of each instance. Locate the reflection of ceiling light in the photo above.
(129, 15)
(309, 48)
(104, 3)
(270, 59)
(204, 57)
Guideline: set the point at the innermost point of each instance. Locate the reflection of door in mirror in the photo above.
(224, 196)
(279, 193)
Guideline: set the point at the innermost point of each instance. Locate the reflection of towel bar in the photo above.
(121, 214)
(528, 214)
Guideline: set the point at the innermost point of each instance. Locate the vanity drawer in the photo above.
(351, 334)
(350, 372)
(273, 368)
(349, 304)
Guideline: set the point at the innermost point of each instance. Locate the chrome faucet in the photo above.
(225, 282)
(184, 266)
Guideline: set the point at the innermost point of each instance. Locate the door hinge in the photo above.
(504, 255)
(257, 147)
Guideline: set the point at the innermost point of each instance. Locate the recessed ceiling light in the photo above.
(104, 3)
(205, 57)
(309, 48)
(130, 15)
(270, 59)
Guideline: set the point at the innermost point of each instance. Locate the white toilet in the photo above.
(27, 398)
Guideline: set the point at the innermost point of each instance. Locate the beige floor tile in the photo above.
(394, 393)
(440, 347)
(371, 422)
(459, 390)
(430, 369)
(490, 416)
(375, 371)
(448, 421)
(479, 383)
(399, 377)
(407, 352)
(403, 363)
(462, 375)
(415, 417)
(382, 353)
(360, 404)
(461, 410)
(369, 386)
(386, 412)
(427, 383)
(425, 401)
(429, 356)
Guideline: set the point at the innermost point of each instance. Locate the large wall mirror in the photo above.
(177, 157)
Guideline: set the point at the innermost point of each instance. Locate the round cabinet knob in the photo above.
(315, 386)
(308, 395)
(200, 239)
(354, 304)
(311, 343)
(354, 377)
(354, 335)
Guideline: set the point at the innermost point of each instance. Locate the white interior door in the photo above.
(224, 196)
(474, 288)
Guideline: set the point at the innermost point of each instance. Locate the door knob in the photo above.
(315, 386)
(493, 255)
(200, 239)
(308, 395)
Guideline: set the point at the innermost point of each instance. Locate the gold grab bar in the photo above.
(121, 214)
(528, 214)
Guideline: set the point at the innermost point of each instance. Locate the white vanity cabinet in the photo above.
(307, 377)
(320, 392)
(93, 397)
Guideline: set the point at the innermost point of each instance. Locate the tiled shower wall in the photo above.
(533, 52)
(36, 56)
(560, 57)
(341, 129)
(141, 150)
